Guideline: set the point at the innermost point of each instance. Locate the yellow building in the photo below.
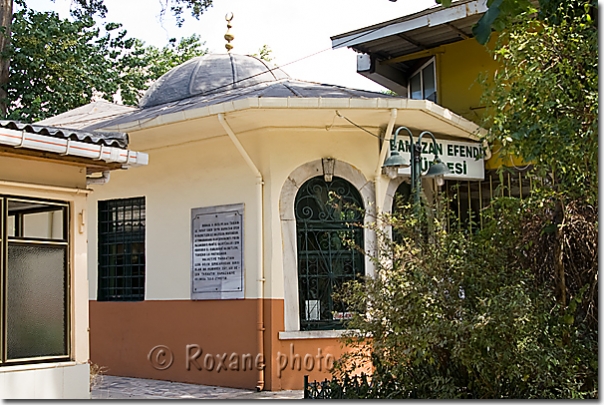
(428, 55)
(44, 177)
(432, 55)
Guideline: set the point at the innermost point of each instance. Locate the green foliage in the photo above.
(500, 13)
(57, 64)
(543, 103)
(84, 8)
(196, 7)
(264, 53)
(510, 311)
(89, 8)
(449, 315)
(351, 387)
(143, 65)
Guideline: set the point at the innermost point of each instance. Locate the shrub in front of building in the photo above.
(453, 314)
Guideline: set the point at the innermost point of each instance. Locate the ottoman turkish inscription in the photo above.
(217, 252)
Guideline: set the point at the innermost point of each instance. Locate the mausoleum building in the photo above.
(216, 263)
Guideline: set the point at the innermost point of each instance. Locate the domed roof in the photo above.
(213, 73)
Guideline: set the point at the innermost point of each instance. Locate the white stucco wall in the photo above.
(180, 178)
(46, 381)
(211, 172)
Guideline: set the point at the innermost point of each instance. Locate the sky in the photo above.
(293, 30)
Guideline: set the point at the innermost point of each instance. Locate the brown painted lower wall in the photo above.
(154, 339)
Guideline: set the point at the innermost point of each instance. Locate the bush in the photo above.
(454, 315)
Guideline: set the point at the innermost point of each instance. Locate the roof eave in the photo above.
(426, 19)
(469, 129)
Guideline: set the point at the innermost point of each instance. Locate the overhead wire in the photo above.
(270, 70)
(356, 125)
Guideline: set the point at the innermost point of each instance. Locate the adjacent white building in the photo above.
(44, 177)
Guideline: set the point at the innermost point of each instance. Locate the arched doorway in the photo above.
(329, 218)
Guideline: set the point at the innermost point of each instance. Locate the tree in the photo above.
(6, 15)
(543, 106)
(196, 7)
(58, 64)
(81, 10)
(543, 103)
(510, 311)
(145, 64)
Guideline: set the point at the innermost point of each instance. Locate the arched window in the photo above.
(329, 220)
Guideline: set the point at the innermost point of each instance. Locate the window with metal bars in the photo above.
(34, 269)
(329, 220)
(121, 251)
(468, 199)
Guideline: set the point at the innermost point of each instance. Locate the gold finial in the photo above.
(228, 36)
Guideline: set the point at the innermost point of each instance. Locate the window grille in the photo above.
(329, 222)
(468, 199)
(121, 252)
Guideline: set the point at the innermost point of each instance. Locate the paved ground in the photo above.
(111, 387)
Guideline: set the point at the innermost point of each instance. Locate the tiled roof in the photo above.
(115, 139)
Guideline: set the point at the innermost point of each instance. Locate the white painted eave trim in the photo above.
(471, 130)
(44, 187)
(67, 147)
(437, 17)
(313, 334)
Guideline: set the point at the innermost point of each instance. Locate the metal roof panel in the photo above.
(428, 28)
(284, 89)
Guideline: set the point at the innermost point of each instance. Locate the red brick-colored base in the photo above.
(123, 336)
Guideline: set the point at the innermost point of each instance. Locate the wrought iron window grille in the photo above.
(329, 218)
(121, 250)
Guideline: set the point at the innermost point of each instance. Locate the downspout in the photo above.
(259, 238)
(378, 169)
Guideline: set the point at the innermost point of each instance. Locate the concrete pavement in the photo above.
(111, 387)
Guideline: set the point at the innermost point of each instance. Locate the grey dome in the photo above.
(209, 74)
